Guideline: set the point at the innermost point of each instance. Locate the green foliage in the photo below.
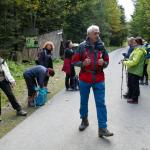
(57, 61)
(140, 25)
(73, 16)
(104, 13)
(118, 37)
(17, 69)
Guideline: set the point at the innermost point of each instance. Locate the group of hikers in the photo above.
(136, 60)
(35, 76)
(92, 58)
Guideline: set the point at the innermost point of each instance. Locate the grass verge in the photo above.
(9, 118)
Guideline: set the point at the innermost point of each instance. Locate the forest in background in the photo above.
(17, 17)
(140, 23)
(73, 16)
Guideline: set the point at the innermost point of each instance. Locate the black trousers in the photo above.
(145, 74)
(68, 81)
(46, 81)
(133, 86)
(69, 78)
(5, 86)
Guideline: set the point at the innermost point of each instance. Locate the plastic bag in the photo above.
(41, 98)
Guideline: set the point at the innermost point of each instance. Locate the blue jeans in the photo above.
(99, 95)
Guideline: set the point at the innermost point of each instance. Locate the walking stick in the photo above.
(0, 107)
(122, 80)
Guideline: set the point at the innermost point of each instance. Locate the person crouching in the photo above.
(35, 76)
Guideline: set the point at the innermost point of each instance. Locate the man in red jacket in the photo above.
(92, 57)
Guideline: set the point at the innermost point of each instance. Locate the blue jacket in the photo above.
(147, 47)
(37, 72)
(130, 50)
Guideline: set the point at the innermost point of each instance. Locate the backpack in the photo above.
(75, 83)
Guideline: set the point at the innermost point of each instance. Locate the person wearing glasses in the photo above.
(92, 58)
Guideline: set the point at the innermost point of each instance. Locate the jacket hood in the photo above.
(47, 51)
(98, 45)
(141, 49)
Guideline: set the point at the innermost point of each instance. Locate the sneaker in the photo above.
(104, 132)
(21, 113)
(84, 124)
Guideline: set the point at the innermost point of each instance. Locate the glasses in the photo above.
(96, 33)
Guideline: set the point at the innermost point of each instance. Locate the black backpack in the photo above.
(75, 83)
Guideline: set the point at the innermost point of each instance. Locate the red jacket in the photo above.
(92, 73)
(67, 68)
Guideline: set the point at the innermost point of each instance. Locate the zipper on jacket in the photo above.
(95, 62)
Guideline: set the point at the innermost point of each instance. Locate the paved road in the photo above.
(55, 126)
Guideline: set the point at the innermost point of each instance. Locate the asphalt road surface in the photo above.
(55, 126)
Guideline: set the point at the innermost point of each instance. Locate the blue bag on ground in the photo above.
(41, 96)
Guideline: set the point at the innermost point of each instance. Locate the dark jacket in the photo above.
(130, 50)
(37, 72)
(147, 47)
(45, 58)
(69, 53)
(92, 73)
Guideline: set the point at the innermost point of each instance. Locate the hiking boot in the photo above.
(132, 101)
(68, 89)
(141, 82)
(146, 83)
(104, 132)
(21, 113)
(84, 124)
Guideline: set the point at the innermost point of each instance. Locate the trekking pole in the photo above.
(122, 80)
(126, 72)
(0, 107)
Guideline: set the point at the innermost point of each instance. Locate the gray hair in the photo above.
(130, 38)
(92, 28)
